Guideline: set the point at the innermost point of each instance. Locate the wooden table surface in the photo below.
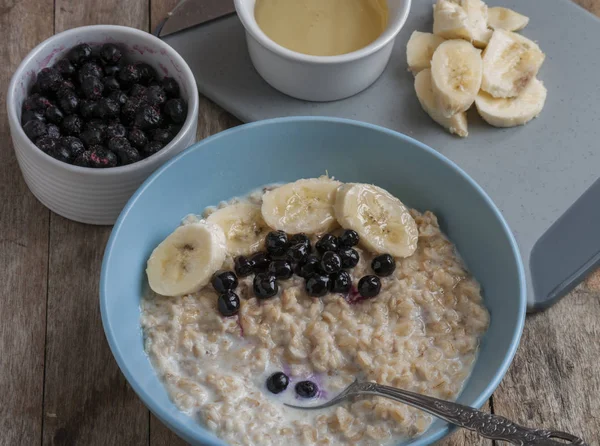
(59, 383)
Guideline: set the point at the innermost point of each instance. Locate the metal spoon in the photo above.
(485, 424)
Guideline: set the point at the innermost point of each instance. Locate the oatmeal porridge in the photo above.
(296, 291)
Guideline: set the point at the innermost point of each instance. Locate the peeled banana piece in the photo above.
(462, 19)
(420, 49)
(511, 112)
(507, 19)
(456, 124)
(456, 72)
(510, 62)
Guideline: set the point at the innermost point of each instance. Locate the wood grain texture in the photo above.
(23, 248)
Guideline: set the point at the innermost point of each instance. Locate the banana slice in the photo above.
(456, 71)
(303, 206)
(381, 220)
(456, 124)
(462, 19)
(477, 17)
(243, 225)
(420, 49)
(513, 111)
(504, 18)
(510, 61)
(185, 261)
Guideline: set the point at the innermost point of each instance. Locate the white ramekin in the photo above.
(320, 78)
(87, 195)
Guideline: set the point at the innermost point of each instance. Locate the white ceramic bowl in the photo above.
(83, 194)
(320, 78)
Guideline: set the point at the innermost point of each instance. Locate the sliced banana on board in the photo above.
(511, 112)
(510, 61)
(420, 49)
(456, 124)
(243, 225)
(185, 261)
(504, 18)
(303, 206)
(456, 72)
(381, 220)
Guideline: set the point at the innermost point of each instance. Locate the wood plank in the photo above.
(88, 401)
(23, 248)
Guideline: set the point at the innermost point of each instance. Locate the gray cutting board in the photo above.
(533, 173)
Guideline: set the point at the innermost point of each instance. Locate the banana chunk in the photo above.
(513, 111)
(185, 261)
(420, 49)
(462, 19)
(456, 124)
(510, 62)
(303, 206)
(380, 219)
(243, 225)
(456, 72)
(504, 18)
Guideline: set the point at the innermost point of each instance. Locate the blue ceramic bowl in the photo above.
(234, 162)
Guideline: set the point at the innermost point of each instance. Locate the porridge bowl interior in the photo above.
(237, 162)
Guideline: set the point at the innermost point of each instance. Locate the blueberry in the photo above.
(171, 87)
(92, 136)
(46, 143)
(260, 262)
(53, 131)
(60, 153)
(79, 54)
(243, 266)
(36, 102)
(97, 124)
(111, 84)
(54, 114)
(87, 108)
(110, 54)
(49, 80)
(32, 115)
(317, 285)
(138, 91)
(71, 125)
(73, 145)
(137, 138)
(310, 267)
(277, 382)
(276, 243)
(340, 282)
(265, 286)
(349, 257)
(161, 135)
(102, 157)
(300, 238)
(281, 269)
(228, 303)
(112, 70)
(176, 109)
(298, 252)
(223, 281)
(155, 95)
(151, 148)
(92, 87)
(84, 159)
(147, 73)
(331, 262)
(147, 117)
(328, 242)
(35, 129)
(115, 130)
(65, 68)
(349, 238)
(173, 129)
(69, 102)
(383, 265)
(369, 286)
(125, 153)
(106, 109)
(129, 74)
(120, 97)
(129, 109)
(90, 69)
(306, 389)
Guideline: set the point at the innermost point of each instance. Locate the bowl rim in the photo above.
(206, 436)
(388, 35)
(157, 158)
